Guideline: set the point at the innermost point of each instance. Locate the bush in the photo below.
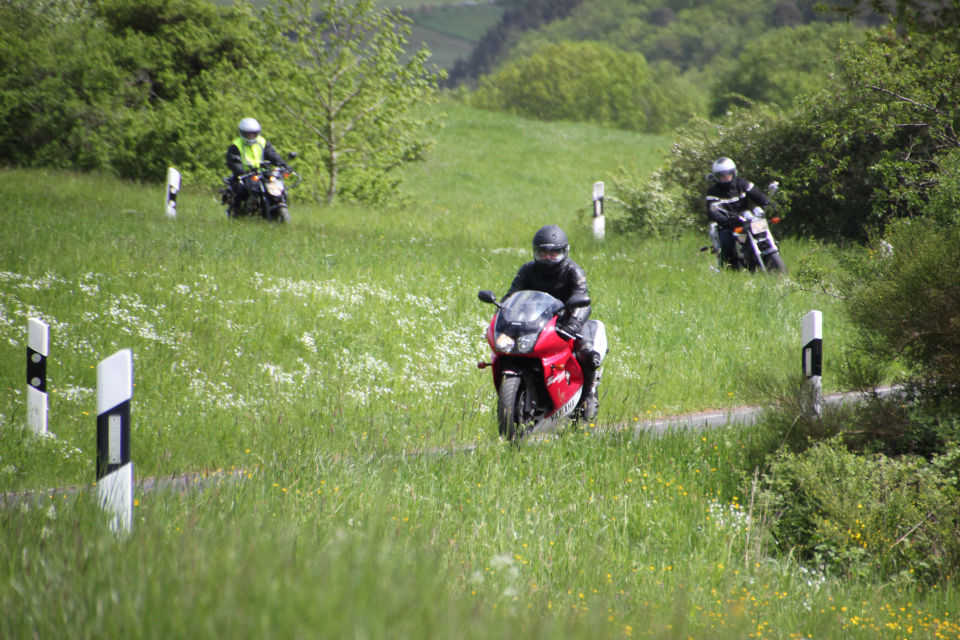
(165, 84)
(859, 516)
(587, 81)
(648, 206)
(904, 300)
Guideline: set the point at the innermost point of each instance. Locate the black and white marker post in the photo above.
(38, 348)
(812, 336)
(114, 469)
(598, 220)
(173, 188)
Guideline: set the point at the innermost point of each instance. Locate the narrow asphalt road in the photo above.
(202, 479)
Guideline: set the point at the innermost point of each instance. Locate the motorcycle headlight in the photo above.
(525, 343)
(504, 343)
(275, 188)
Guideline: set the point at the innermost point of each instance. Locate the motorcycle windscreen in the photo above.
(527, 311)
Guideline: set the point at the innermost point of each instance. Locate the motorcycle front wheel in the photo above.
(775, 263)
(514, 408)
(283, 215)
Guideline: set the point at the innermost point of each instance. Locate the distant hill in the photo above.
(689, 35)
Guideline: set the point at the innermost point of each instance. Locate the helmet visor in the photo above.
(550, 255)
(724, 176)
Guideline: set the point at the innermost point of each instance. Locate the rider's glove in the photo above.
(571, 326)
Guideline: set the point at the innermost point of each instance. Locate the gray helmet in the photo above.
(723, 166)
(248, 126)
(550, 247)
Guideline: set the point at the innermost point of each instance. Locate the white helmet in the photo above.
(723, 166)
(247, 127)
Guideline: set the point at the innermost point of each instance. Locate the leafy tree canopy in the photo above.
(346, 91)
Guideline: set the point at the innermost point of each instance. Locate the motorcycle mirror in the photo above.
(577, 301)
(773, 187)
(292, 155)
(710, 178)
(485, 295)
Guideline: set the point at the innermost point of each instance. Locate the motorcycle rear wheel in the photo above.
(513, 412)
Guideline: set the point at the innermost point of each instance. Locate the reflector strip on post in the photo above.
(114, 468)
(812, 338)
(598, 219)
(173, 188)
(38, 348)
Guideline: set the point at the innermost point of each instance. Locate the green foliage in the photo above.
(345, 87)
(698, 34)
(905, 302)
(859, 516)
(583, 81)
(645, 206)
(777, 65)
(878, 145)
(163, 77)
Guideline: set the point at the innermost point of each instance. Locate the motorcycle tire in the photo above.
(512, 417)
(774, 263)
(283, 214)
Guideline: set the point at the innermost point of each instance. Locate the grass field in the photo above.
(333, 361)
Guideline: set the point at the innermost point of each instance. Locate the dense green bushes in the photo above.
(588, 81)
(866, 516)
(164, 83)
(904, 298)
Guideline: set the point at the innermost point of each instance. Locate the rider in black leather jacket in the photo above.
(735, 195)
(552, 271)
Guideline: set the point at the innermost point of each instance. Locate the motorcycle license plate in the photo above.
(759, 226)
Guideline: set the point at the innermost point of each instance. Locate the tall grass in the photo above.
(333, 360)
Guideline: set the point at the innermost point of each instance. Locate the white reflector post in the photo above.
(812, 338)
(173, 188)
(38, 348)
(114, 469)
(598, 219)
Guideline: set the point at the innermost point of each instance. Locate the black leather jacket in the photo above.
(561, 282)
(735, 196)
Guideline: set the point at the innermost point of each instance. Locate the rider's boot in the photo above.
(589, 404)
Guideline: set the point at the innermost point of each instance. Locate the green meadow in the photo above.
(330, 364)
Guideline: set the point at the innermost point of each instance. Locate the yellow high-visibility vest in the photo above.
(251, 154)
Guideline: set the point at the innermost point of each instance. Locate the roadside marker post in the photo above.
(599, 223)
(173, 188)
(812, 337)
(114, 468)
(38, 348)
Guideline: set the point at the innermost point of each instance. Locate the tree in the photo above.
(344, 82)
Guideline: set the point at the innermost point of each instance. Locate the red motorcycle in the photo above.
(535, 372)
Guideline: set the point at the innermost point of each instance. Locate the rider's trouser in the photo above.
(590, 351)
(728, 246)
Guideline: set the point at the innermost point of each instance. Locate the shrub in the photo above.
(586, 81)
(647, 205)
(866, 516)
(903, 298)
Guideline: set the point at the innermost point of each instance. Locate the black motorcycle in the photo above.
(266, 193)
(756, 248)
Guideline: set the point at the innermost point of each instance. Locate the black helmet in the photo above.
(550, 247)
